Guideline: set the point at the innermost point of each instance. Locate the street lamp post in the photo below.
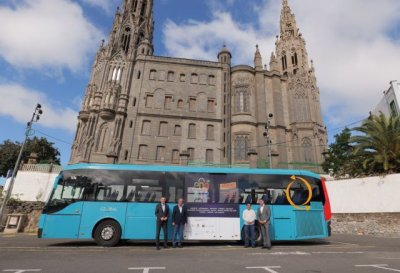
(268, 137)
(35, 117)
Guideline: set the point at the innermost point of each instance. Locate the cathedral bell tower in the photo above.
(104, 109)
(291, 60)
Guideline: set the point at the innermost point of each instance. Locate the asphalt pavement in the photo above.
(340, 253)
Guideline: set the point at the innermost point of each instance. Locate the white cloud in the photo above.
(203, 40)
(354, 55)
(105, 5)
(349, 41)
(47, 34)
(19, 103)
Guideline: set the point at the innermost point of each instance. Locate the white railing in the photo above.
(44, 168)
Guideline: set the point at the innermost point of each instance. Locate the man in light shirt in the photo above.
(249, 218)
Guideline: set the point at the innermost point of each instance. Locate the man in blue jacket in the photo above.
(179, 220)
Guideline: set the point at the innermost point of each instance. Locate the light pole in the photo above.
(35, 117)
(268, 137)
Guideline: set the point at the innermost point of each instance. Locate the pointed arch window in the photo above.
(102, 139)
(114, 74)
(119, 74)
(242, 101)
(284, 60)
(294, 58)
(241, 148)
(144, 7)
(307, 150)
(125, 39)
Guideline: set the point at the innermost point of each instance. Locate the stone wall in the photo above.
(31, 209)
(377, 224)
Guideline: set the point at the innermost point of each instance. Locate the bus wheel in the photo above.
(107, 233)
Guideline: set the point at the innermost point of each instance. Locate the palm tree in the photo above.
(379, 143)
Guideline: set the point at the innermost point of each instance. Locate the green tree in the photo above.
(9, 150)
(379, 143)
(341, 158)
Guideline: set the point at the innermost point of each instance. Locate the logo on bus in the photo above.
(303, 206)
(108, 209)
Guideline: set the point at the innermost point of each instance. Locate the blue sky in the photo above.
(47, 48)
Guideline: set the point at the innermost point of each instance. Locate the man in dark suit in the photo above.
(179, 220)
(264, 217)
(162, 213)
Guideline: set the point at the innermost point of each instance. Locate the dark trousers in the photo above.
(163, 225)
(265, 235)
(249, 236)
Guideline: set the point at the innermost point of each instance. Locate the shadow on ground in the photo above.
(132, 243)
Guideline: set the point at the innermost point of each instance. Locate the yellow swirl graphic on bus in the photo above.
(289, 198)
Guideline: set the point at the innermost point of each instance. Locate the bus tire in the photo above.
(107, 233)
(257, 235)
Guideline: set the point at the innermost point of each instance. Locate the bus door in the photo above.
(63, 213)
(298, 209)
(144, 191)
(309, 208)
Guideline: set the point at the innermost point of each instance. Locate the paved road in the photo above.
(359, 254)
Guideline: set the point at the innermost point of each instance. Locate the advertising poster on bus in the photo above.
(212, 207)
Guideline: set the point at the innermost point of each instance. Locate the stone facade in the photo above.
(32, 210)
(141, 109)
(377, 224)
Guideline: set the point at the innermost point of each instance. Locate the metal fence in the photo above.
(263, 164)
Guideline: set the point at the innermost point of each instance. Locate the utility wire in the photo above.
(52, 137)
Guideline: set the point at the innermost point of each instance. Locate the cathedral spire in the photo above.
(258, 59)
(288, 21)
(133, 29)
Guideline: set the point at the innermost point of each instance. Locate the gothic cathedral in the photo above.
(145, 109)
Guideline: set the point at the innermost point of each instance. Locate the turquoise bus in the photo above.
(110, 203)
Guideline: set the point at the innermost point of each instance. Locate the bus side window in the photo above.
(174, 186)
(145, 187)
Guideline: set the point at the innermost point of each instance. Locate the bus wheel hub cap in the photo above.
(107, 233)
